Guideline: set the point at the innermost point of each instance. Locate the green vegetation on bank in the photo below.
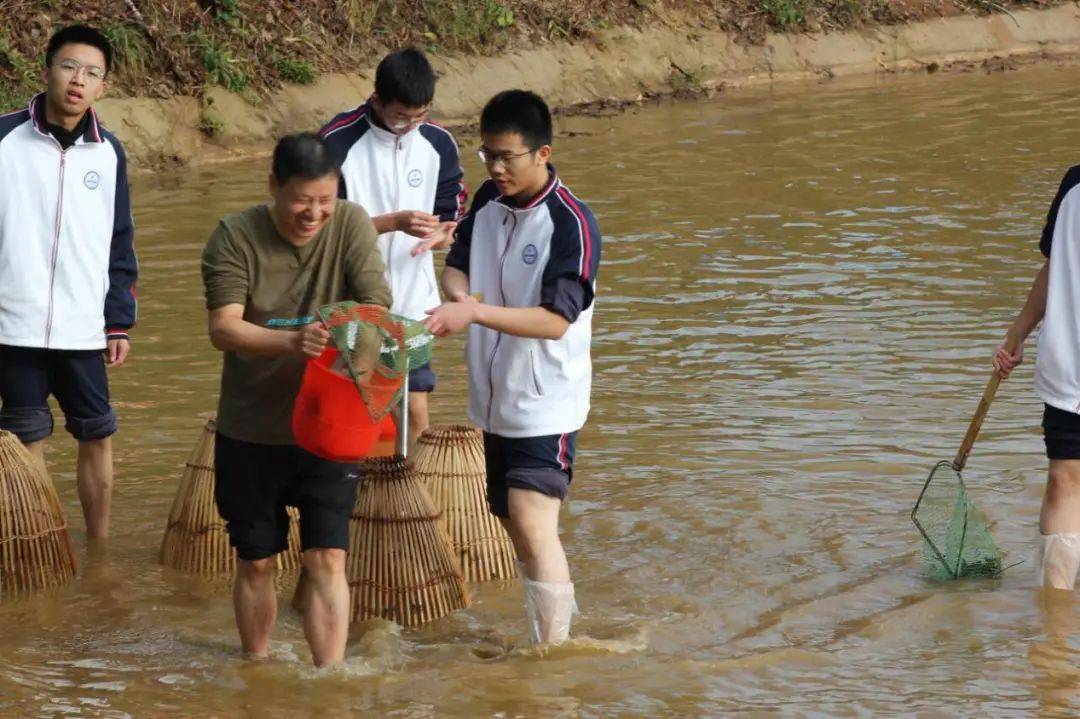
(166, 47)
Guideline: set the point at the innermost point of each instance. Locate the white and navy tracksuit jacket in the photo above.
(545, 254)
(67, 260)
(1057, 367)
(384, 172)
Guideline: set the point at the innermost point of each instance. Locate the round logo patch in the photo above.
(415, 177)
(91, 180)
(530, 254)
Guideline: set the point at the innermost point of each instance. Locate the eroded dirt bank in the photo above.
(620, 65)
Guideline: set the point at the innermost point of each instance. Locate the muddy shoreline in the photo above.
(620, 67)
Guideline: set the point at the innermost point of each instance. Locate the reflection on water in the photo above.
(799, 299)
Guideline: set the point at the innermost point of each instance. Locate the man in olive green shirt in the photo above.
(266, 271)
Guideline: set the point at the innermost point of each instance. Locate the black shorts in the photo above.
(76, 378)
(422, 379)
(255, 482)
(543, 464)
(1061, 432)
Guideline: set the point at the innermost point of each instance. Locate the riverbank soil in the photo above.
(203, 81)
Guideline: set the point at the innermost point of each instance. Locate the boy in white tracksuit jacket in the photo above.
(532, 249)
(67, 264)
(406, 173)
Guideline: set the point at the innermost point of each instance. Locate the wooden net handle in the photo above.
(980, 412)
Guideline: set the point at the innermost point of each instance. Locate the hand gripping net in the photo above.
(957, 539)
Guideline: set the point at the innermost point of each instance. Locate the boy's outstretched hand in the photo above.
(451, 317)
(439, 239)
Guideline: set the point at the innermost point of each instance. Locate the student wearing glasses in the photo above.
(67, 264)
(532, 250)
(405, 171)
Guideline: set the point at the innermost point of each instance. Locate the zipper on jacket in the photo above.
(502, 297)
(56, 243)
(397, 208)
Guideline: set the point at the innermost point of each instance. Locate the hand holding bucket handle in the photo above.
(1012, 343)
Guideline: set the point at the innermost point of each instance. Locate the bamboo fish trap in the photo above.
(400, 565)
(196, 540)
(35, 548)
(449, 460)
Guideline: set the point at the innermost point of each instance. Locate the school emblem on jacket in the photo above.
(530, 254)
(91, 180)
(415, 177)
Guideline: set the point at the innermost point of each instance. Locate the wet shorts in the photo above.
(543, 464)
(255, 482)
(75, 377)
(422, 379)
(1061, 432)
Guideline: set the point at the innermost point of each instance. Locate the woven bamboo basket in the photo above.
(449, 460)
(35, 548)
(400, 564)
(196, 540)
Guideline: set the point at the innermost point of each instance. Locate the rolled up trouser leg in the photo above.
(549, 607)
(29, 424)
(1059, 560)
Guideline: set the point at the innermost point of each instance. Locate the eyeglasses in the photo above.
(494, 158)
(401, 121)
(72, 67)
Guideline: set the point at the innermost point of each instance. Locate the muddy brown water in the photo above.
(799, 296)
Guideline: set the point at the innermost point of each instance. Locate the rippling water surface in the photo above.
(798, 300)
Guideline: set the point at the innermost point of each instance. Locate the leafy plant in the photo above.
(301, 72)
(685, 80)
(221, 68)
(130, 47)
(227, 10)
(785, 14)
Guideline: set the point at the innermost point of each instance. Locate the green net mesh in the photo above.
(418, 341)
(369, 343)
(376, 349)
(956, 536)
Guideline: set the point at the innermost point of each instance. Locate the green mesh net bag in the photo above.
(956, 536)
(370, 345)
(377, 349)
(418, 341)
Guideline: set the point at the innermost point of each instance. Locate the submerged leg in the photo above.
(1059, 559)
(1059, 524)
(326, 605)
(255, 602)
(94, 473)
(549, 594)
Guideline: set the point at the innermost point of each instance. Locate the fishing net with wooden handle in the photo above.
(957, 541)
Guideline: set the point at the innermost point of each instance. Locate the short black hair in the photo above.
(405, 76)
(521, 112)
(304, 155)
(79, 35)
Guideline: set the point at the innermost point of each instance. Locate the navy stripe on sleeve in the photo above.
(1071, 180)
(340, 134)
(458, 256)
(121, 309)
(569, 281)
(450, 193)
(12, 120)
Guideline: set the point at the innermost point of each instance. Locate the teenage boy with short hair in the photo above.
(67, 264)
(532, 250)
(406, 173)
(267, 267)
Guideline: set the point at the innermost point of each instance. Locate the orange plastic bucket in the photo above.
(330, 419)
